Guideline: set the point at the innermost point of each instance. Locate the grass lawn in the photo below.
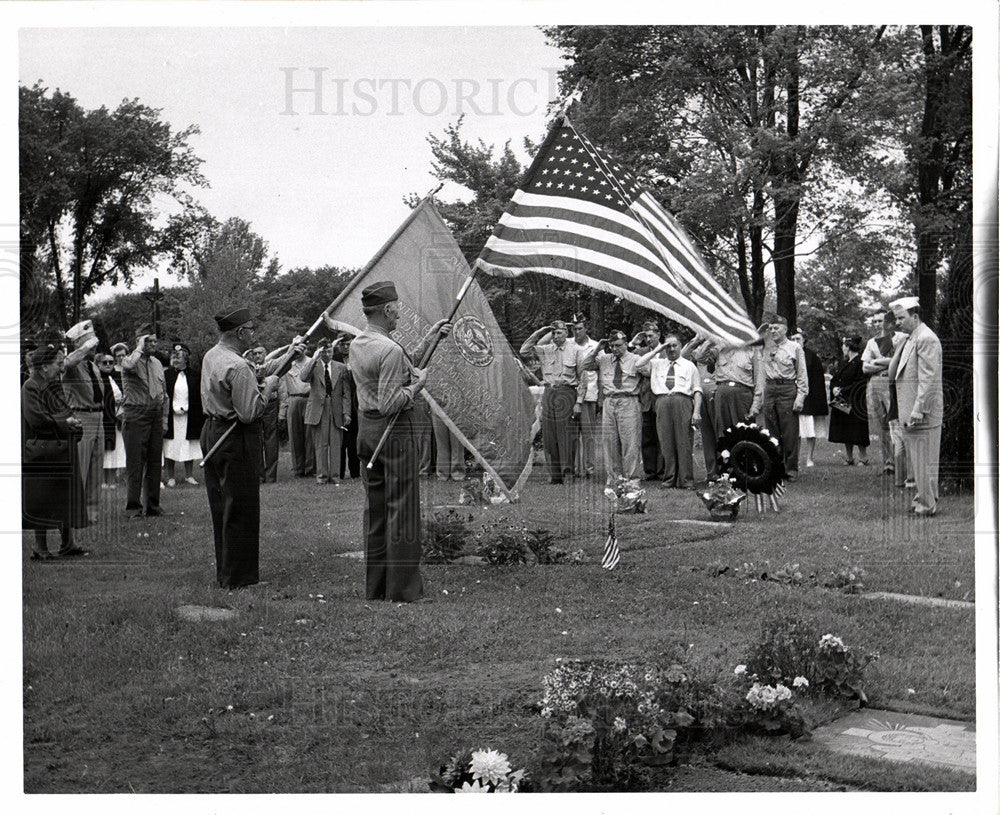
(311, 689)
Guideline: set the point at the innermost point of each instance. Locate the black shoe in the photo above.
(43, 556)
(555, 481)
(153, 512)
(76, 551)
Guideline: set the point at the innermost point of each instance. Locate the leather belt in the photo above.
(780, 381)
(732, 384)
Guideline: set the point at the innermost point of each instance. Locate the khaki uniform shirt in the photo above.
(143, 382)
(786, 360)
(229, 386)
(381, 373)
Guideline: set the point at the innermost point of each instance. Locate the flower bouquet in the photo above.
(626, 496)
(477, 771)
(722, 499)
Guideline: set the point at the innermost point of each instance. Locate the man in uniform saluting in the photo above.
(229, 394)
(387, 384)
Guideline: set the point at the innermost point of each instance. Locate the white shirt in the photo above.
(181, 393)
(588, 379)
(686, 377)
(871, 351)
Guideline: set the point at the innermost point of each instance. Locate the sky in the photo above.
(320, 176)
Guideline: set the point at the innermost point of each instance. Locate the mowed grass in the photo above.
(312, 689)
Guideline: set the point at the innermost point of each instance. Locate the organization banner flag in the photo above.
(473, 377)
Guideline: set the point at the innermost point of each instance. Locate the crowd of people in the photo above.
(642, 401)
(88, 417)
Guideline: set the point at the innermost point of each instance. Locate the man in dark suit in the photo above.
(328, 409)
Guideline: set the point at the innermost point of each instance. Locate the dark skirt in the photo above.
(51, 488)
(850, 428)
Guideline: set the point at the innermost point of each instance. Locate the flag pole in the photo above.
(482, 462)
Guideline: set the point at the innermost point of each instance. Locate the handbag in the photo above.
(47, 451)
(841, 404)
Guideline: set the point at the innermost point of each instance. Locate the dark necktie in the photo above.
(326, 380)
(617, 380)
(95, 384)
(670, 377)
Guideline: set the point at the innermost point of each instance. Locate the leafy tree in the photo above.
(724, 121)
(225, 263)
(941, 155)
(92, 187)
(292, 301)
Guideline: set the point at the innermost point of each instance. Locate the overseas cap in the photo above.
(378, 294)
(906, 303)
(234, 319)
(43, 355)
(179, 346)
(81, 334)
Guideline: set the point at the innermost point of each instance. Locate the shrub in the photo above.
(787, 650)
(444, 536)
(609, 723)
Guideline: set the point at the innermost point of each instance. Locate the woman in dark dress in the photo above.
(848, 388)
(51, 490)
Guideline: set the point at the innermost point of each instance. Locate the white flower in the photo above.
(619, 725)
(489, 765)
(740, 670)
(830, 642)
(782, 693)
(800, 682)
(475, 786)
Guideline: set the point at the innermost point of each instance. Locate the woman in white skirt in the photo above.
(184, 417)
(812, 419)
(114, 445)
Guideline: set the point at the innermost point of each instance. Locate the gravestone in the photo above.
(904, 737)
(205, 614)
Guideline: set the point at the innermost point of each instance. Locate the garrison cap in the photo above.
(906, 303)
(378, 294)
(179, 346)
(82, 334)
(43, 355)
(614, 336)
(559, 324)
(119, 346)
(233, 319)
(779, 320)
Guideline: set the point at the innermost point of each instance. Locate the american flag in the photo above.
(611, 554)
(580, 216)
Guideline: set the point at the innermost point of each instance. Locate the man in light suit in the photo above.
(915, 376)
(328, 409)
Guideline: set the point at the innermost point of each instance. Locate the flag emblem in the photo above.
(473, 340)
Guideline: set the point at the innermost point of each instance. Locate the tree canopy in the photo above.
(94, 187)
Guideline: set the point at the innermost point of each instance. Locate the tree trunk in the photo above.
(757, 258)
(786, 214)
